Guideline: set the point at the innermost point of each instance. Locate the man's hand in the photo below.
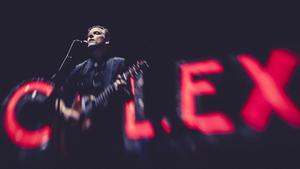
(120, 83)
(74, 113)
(87, 104)
(123, 86)
(68, 113)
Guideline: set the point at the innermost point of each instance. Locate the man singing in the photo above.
(92, 136)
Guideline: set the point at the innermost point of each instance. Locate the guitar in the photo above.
(86, 103)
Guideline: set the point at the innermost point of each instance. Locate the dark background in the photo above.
(35, 37)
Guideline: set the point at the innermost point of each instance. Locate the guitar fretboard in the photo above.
(133, 70)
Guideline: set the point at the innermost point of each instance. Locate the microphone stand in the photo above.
(67, 57)
(57, 78)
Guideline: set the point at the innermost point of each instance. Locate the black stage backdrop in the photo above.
(35, 37)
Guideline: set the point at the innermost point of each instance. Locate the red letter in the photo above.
(133, 129)
(269, 92)
(214, 122)
(20, 136)
(165, 124)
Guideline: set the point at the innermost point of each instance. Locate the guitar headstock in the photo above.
(136, 69)
(133, 71)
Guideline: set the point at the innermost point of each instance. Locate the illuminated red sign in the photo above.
(134, 129)
(21, 136)
(268, 94)
(208, 123)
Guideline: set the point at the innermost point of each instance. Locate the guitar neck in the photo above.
(105, 94)
(131, 72)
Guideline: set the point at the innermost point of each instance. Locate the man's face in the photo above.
(96, 36)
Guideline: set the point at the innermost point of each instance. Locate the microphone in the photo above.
(67, 56)
(81, 41)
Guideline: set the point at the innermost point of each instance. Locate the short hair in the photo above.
(106, 31)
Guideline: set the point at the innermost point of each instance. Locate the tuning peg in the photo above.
(130, 71)
(135, 70)
(145, 62)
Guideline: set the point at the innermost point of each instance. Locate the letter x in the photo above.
(268, 93)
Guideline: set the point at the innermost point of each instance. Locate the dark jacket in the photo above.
(91, 77)
(103, 141)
